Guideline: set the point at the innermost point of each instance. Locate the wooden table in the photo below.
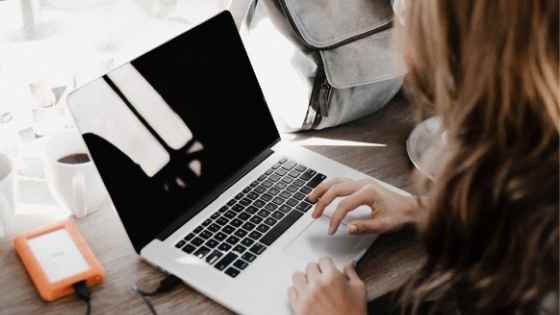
(388, 263)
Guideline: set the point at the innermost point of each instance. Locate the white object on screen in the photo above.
(58, 255)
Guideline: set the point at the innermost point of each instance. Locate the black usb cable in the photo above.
(82, 292)
(165, 285)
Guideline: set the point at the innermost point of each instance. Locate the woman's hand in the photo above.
(324, 290)
(390, 210)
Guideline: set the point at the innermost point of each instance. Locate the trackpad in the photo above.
(314, 243)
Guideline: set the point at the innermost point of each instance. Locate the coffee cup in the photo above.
(7, 206)
(72, 176)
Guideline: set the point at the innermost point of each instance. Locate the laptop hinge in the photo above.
(215, 193)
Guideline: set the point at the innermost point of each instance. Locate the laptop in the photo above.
(206, 190)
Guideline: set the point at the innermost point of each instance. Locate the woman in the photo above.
(489, 222)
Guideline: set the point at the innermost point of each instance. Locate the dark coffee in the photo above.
(76, 158)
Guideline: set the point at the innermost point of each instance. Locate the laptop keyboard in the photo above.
(234, 236)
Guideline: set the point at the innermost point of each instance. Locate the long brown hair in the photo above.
(489, 69)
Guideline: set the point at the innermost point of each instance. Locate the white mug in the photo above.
(7, 206)
(72, 176)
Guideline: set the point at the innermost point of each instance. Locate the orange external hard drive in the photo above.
(56, 257)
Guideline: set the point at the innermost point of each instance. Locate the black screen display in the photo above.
(170, 126)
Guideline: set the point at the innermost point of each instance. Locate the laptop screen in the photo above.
(170, 126)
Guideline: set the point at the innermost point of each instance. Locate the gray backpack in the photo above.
(322, 63)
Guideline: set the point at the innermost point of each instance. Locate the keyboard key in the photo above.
(247, 242)
(261, 178)
(306, 190)
(292, 188)
(212, 258)
(316, 180)
(270, 221)
(197, 241)
(301, 168)
(256, 220)
(253, 195)
(232, 272)
(281, 227)
(285, 208)
(268, 183)
(274, 177)
(257, 249)
(273, 191)
(281, 172)
(287, 180)
(244, 216)
(248, 226)
(294, 173)
(222, 221)
(285, 194)
(231, 202)
(264, 213)
(228, 259)
(212, 243)
(299, 196)
(230, 214)
(223, 209)
(224, 247)
(280, 185)
(292, 202)
(201, 252)
(289, 165)
(240, 264)
(238, 208)
(249, 257)
(180, 244)
(279, 200)
(247, 190)
(307, 175)
(282, 161)
(206, 234)
(214, 227)
(228, 229)
(266, 197)
(304, 206)
(189, 237)
(270, 207)
(298, 183)
(240, 233)
(220, 236)
(215, 215)
(277, 215)
(239, 196)
(198, 229)
(236, 222)
(245, 201)
(232, 240)
(189, 249)
(255, 235)
(268, 172)
(260, 189)
(263, 228)
(252, 210)
(259, 203)
(239, 249)
(254, 184)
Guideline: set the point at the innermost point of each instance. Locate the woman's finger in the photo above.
(337, 190)
(382, 224)
(318, 191)
(351, 273)
(312, 271)
(300, 281)
(293, 297)
(359, 198)
(326, 265)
